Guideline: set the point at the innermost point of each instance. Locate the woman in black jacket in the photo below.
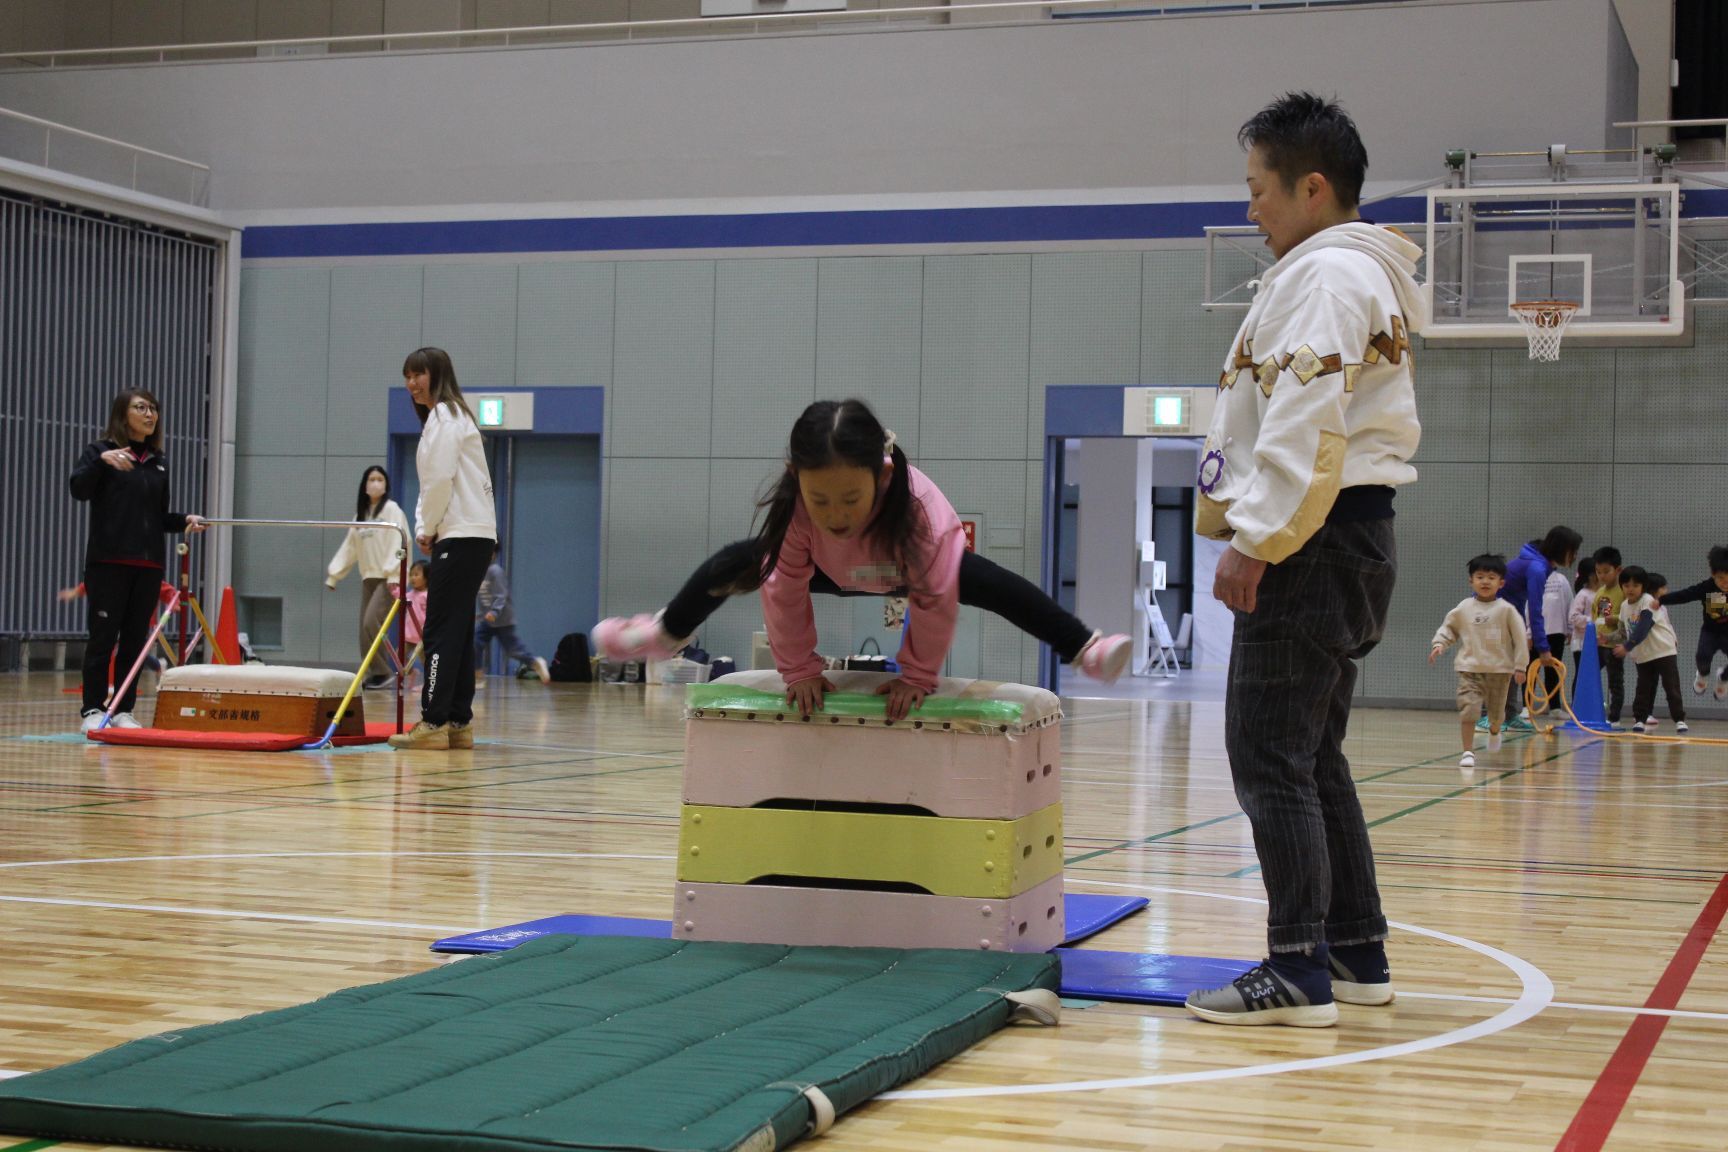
(124, 476)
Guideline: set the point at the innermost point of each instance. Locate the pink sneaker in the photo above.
(1105, 657)
(636, 638)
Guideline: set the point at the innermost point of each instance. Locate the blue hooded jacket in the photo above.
(1526, 576)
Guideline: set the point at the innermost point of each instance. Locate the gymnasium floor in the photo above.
(1538, 901)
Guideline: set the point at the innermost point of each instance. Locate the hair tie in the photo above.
(888, 443)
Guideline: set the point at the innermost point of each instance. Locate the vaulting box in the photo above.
(940, 830)
(256, 698)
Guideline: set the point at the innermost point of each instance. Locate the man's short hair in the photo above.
(1719, 559)
(1299, 133)
(1632, 574)
(1609, 555)
(1488, 562)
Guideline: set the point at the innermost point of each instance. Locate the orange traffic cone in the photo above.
(227, 638)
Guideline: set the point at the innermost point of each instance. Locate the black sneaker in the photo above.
(1288, 988)
(1360, 974)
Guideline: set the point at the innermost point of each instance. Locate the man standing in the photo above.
(1314, 429)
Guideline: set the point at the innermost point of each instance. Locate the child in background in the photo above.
(1556, 607)
(498, 618)
(1609, 635)
(1492, 649)
(413, 610)
(1650, 643)
(1713, 633)
(1578, 615)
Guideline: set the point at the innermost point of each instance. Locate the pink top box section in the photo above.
(993, 776)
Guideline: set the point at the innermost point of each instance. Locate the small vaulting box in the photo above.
(256, 698)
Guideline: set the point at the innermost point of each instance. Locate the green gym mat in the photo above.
(567, 1042)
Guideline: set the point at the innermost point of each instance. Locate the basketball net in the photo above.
(1545, 324)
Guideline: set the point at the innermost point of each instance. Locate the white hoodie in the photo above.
(1318, 392)
(377, 550)
(455, 484)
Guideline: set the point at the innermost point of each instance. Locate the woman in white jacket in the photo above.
(455, 525)
(378, 553)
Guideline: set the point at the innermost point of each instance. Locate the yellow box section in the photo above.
(942, 855)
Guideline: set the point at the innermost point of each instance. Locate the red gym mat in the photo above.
(229, 741)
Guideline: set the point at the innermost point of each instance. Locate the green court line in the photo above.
(1150, 839)
(1429, 803)
(30, 1146)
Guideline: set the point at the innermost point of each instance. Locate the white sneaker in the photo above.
(1493, 741)
(1638, 727)
(1680, 727)
(124, 720)
(1700, 685)
(90, 722)
(1468, 760)
(542, 671)
(1722, 688)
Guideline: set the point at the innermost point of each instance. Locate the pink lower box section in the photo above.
(765, 914)
(739, 764)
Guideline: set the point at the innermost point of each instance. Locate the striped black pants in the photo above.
(1287, 706)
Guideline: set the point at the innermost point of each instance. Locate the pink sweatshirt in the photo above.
(413, 613)
(858, 563)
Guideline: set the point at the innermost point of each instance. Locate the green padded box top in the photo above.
(988, 707)
(564, 1043)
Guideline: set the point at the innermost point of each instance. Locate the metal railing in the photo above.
(65, 149)
(862, 19)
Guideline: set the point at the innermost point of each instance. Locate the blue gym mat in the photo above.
(1142, 978)
(1129, 977)
(1083, 915)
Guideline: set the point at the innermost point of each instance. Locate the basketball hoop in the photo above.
(1545, 323)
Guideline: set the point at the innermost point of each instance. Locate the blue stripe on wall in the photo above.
(1016, 225)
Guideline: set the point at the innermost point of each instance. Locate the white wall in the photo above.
(1094, 104)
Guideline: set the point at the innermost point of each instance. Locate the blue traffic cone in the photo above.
(1587, 690)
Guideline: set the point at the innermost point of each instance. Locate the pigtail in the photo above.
(899, 526)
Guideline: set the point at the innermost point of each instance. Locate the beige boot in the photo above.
(461, 735)
(423, 737)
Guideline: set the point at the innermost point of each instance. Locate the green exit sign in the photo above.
(1166, 412)
(492, 412)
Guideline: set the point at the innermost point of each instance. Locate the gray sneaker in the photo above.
(124, 720)
(1263, 996)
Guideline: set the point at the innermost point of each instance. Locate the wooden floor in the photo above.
(1539, 902)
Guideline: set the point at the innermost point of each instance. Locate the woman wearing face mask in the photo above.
(378, 552)
(124, 477)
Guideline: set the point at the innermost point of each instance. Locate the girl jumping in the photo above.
(850, 515)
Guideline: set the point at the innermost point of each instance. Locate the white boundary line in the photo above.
(321, 855)
(1537, 994)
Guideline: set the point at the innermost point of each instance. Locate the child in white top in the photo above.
(1492, 648)
(1650, 642)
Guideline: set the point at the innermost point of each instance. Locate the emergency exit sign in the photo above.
(503, 411)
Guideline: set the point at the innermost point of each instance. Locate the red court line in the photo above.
(1601, 1109)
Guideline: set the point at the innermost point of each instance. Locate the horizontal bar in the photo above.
(372, 524)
